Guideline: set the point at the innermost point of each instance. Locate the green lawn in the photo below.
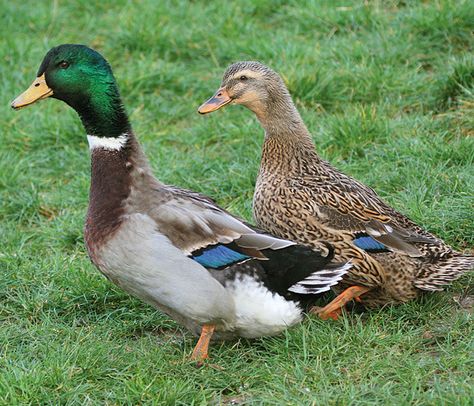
(387, 89)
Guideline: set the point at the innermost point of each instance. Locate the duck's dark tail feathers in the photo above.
(303, 270)
(321, 281)
(435, 276)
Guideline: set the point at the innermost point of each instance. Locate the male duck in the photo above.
(301, 197)
(174, 249)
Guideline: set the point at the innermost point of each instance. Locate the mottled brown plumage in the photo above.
(300, 196)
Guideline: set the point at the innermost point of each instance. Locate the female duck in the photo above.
(301, 197)
(174, 249)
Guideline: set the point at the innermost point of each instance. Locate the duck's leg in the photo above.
(200, 350)
(334, 309)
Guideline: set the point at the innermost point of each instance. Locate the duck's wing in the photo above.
(216, 239)
(194, 222)
(345, 204)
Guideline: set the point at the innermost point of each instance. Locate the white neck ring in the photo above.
(107, 143)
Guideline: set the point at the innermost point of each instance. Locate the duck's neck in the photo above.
(288, 143)
(117, 165)
(101, 110)
(115, 152)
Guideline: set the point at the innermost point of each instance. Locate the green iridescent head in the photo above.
(82, 78)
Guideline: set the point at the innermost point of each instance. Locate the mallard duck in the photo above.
(301, 197)
(173, 248)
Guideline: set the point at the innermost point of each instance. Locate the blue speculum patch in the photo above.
(219, 256)
(368, 243)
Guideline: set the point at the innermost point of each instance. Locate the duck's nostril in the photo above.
(37, 84)
(219, 94)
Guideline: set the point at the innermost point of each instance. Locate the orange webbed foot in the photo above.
(319, 311)
(334, 309)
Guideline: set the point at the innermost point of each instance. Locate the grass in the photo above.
(386, 88)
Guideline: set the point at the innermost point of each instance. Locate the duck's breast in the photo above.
(146, 264)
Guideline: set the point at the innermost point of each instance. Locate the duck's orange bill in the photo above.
(38, 90)
(220, 99)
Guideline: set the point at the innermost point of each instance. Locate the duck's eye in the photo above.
(64, 64)
(243, 78)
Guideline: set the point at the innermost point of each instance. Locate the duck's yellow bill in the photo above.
(220, 99)
(38, 90)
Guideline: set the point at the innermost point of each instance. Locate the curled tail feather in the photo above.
(321, 281)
